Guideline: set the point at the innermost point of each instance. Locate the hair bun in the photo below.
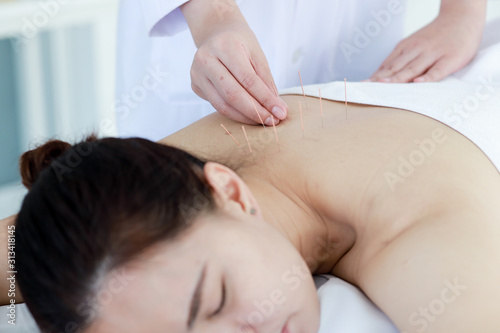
(34, 161)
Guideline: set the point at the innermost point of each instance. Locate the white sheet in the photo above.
(345, 309)
(24, 321)
(468, 101)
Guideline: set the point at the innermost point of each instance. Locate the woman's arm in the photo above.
(442, 276)
(9, 290)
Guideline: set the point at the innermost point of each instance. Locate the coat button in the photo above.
(297, 55)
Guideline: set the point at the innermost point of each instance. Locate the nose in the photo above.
(246, 329)
(232, 328)
(252, 329)
(236, 321)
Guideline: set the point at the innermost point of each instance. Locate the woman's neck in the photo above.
(322, 242)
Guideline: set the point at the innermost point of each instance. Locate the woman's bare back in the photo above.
(426, 249)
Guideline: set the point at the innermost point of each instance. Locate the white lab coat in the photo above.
(325, 40)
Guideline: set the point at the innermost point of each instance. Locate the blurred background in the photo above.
(57, 67)
(57, 70)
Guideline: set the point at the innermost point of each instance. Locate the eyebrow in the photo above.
(196, 300)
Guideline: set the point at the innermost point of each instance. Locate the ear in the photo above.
(230, 191)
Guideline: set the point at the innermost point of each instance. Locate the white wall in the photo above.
(421, 12)
(64, 55)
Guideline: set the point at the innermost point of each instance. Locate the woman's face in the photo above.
(227, 274)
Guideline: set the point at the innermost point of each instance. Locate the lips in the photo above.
(285, 328)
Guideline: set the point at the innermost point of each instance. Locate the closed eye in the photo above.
(223, 300)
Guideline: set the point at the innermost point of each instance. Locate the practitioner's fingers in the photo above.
(261, 66)
(224, 108)
(443, 46)
(231, 60)
(439, 70)
(413, 69)
(197, 90)
(402, 55)
(252, 73)
(235, 98)
(203, 87)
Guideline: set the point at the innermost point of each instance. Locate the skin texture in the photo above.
(424, 249)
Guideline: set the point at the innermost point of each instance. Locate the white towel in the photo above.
(468, 101)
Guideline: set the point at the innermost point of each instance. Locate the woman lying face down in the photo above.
(141, 237)
(128, 235)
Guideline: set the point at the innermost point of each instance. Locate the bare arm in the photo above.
(439, 281)
(8, 291)
(476, 8)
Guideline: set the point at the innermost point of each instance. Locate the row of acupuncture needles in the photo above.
(320, 101)
(274, 126)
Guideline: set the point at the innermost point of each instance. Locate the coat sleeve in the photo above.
(163, 17)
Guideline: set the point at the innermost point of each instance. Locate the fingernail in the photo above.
(385, 79)
(278, 113)
(269, 121)
(419, 79)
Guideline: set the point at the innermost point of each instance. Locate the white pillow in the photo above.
(345, 309)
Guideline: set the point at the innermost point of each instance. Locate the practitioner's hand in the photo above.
(439, 49)
(229, 69)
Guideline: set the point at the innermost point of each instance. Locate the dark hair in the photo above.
(93, 207)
